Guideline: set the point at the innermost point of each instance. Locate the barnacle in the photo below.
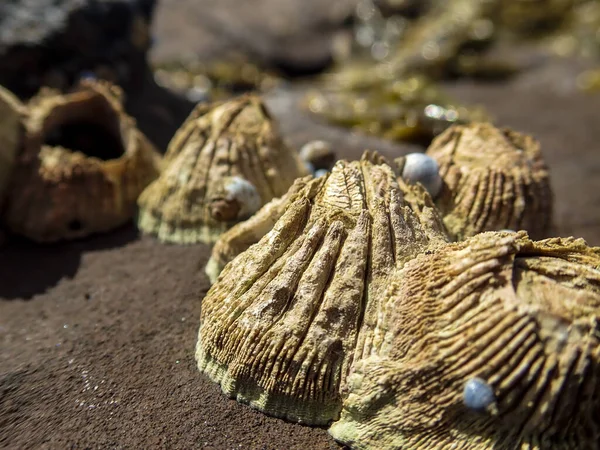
(489, 343)
(280, 325)
(493, 179)
(82, 166)
(11, 132)
(222, 165)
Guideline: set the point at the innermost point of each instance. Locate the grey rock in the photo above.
(51, 42)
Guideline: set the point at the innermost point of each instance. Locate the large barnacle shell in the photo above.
(494, 179)
(280, 325)
(82, 167)
(11, 135)
(490, 343)
(218, 142)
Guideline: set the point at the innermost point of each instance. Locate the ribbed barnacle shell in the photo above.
(11, 136)
(490, 343)
(493, 179)
(242, 235)
(280, 325)
(83, 165)
(218, 141)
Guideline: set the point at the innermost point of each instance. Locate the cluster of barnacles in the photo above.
(402, 303)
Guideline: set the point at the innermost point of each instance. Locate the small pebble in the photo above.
(423, 169)
(478, 395)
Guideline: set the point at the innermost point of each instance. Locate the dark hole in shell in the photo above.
(90, 126)
(75, 225)
(88, 138)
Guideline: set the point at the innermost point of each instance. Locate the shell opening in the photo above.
(75, 225)
(90, 126)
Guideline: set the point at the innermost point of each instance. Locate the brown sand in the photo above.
(97, 336)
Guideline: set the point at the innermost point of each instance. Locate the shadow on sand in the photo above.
(28, 269)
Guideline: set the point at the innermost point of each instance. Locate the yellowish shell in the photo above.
(280, 325)
(241, 236)
(237, 138)
(520, 316)
(11, 136)
(494, 179)
(83, 165)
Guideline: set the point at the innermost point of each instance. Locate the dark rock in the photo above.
(52, 42)
(294, 37)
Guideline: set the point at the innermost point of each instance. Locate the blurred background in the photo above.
(206, 49)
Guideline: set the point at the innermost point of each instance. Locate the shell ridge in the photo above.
(347, 252)
(559, 387)
(280, 289)
(320, 253)
(256, 278)
(285, 231)
(492, 202)
(218, 144)
(297, 255)
(524, 342)
(263, 170)
(481, 362)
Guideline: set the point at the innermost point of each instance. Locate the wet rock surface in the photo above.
(296, 37)
(54, 42)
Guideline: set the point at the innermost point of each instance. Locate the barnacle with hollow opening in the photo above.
(11, 136)
(82, 167)
(489, 343)
(493, 179)
(280, 326)
(224, 163)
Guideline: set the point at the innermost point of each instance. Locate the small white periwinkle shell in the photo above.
(478, 395)
(245, 193)
(418, 167)
(320, 173)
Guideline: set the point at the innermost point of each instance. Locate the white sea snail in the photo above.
(478, 395)
(420, 168)
(240, 200)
